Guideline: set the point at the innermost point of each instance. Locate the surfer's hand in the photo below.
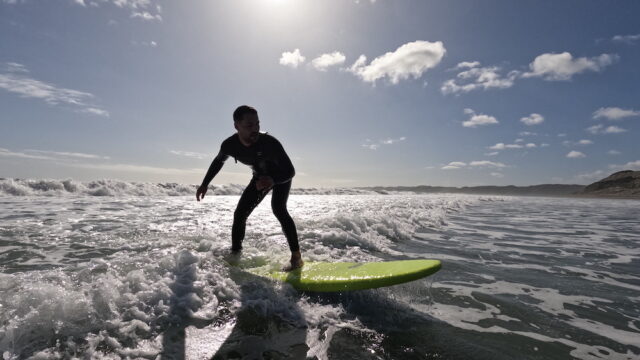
(264, 182)
(201, 191)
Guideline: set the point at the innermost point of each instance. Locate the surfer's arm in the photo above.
(285, 171)
(214, 168)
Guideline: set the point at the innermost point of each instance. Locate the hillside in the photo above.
(623, 183)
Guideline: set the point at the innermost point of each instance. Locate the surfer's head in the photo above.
(245, 120)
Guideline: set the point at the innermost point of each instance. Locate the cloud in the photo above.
(292, 58)
(66, 154)
(497, 174)
(478, 119)
(486, 163)
(494, 153)
(324, 61)
(503, 146)
(585, 142)
(191, 154)
(145, 15)
(391, 141)
(613, 152)
(467, 64)
(375, 145)
(527, 133)
(614, 130)
(17, 82)
(409, 60)
(476, 77)
(598, 174)
(629, 39)
(454, 165)
(530, 146)
(47, 155)
(95, 111)
(631, 165)
(533, 119)
(555, 67)
(9, 153)
(614, 113)
(575, 155)
(600, 129)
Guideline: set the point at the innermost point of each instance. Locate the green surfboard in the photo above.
(346, 276)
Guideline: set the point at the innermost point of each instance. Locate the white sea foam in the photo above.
(127, 274)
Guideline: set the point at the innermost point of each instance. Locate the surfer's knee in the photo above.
(280, 212)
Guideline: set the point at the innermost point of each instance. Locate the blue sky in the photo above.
(360, 93)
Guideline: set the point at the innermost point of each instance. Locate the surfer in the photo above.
(272, 169)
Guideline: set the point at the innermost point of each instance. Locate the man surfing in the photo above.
(272, 169)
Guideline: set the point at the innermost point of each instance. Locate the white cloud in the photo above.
(494, 153)
(478, 119)
(530, 146)
(375, 145)
(575, 155)
(191, 154)
(598, 174)
(486, 163)
(629, 39)
(409, 60)
(292, 58)
(145, 15)
(454, 165)
(632, 165)
(600, 129)
(614, 130)
(15, 68)
(533, 119)
(563, 66)
(18, 82)
(595, 129)
(324, 61)
(48, 155)
(613, 152)
(497, 174)
(467, 64)
(614, 113)
(519, 140)
(544, 145)
(9, 153)
(585, 142)
(527, 133)
(95, 111)
(475, 78)
(562, 135)
(503, 146)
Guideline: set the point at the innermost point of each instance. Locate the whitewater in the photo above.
(118, 270)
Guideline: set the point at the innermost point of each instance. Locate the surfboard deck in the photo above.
(347, 276)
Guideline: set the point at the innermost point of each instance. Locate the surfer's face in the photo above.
(248, 128)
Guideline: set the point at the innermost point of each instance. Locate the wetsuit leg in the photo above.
(279, 207)
(250, 198)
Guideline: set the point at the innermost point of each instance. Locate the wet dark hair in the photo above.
(242, 110)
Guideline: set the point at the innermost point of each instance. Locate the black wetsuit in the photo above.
(267, 158)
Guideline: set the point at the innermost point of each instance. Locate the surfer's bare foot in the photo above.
(233, 258)
(295, 262)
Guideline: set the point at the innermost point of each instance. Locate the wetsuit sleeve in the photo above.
(285, 171)
(215, 167)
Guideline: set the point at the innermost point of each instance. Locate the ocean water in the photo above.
(114, 270)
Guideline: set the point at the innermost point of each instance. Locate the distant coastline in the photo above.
(620, 185)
